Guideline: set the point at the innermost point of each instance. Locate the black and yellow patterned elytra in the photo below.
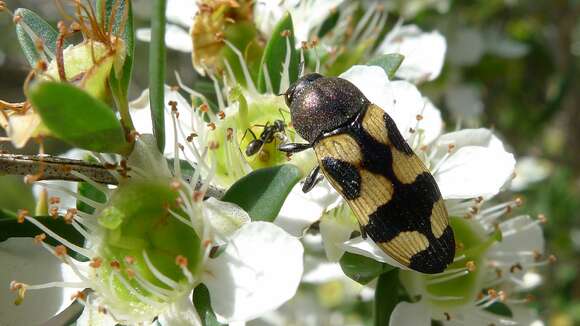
(391, 192)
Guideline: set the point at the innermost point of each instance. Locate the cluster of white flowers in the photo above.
(258, 265)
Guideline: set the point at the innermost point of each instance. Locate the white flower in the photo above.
(424, 52)
(180, 15)
(465, 103)
(249, 267)
(530, 170)
(306, 14)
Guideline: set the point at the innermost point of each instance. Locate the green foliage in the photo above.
(275, 55)
(41, 31)
(262, 192)
(77, 118)
(389, 62)
(386, 297)
(202, 303)
(157, 57)
(10, 228)
(362, 269)
(119, 81)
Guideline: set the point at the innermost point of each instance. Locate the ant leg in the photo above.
(245, 133)
(294, 147)
(312, 179)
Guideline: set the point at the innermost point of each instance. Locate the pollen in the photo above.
(419, 117)
(173, 105)
(130, 260)
(96, 262)
(115, 265)
(517, 267)
(229, 134)
(447, 316)
(471, 267)
(542, 218)
(79, 295)
(198, 196)
(213, 145)
(191, 136)
(211, 125)
(53, 212)
(175, 185)
(60, 251)
(552, 259)
(181, 261)
(39, 238)
(130, 273)
(450, 148)
(222, 115)
(54, 200)
(22, 213)
(16, 19)
(286, 33)
(204, 107)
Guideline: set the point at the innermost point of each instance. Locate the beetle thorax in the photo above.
(323, 105)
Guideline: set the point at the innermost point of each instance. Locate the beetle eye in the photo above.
(288, 95)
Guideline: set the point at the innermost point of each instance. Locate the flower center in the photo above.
(146, 245)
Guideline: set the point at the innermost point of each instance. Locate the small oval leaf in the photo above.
(362, 269)
(275, 55)
(386, 297)
(202, 303)
(40, 29)
(389, 62)
(262, 192)
(77, 118)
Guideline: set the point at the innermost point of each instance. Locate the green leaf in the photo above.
(500, 309)
(389, 62)
(202, 303)
(32, 28)
(275, 55)
(77, 118)
(157, 72)
(262, 192)
(120, 83)
(87, 190)
(10, 228)
(362, 269)
(386, 297)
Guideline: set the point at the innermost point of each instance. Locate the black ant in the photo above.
(270, 132)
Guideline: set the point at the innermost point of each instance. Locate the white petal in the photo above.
(176, 38)
(464, 102)
(92, 314)
(259, 271)
(477, 166)
(307, 15)
(301, 209)
(181, 12)
(466, 47)
(424, 52)
(180, 313)
(368, 248)
(412, 314)
(24, 262)
(400, 99)
(323, 272)
(225, 218)
(530, 170)
(521, 233)
(141, 115)
(336, 226)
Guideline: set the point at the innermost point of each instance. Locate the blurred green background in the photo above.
(511, 65)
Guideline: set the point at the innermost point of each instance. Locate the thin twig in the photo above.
(57, 168)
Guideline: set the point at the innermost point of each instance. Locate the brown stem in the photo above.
(57, 168)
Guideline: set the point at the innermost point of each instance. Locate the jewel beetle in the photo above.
(366, 159)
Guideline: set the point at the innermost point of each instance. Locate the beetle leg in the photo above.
(293, 147)
(311, 180)
(363, 232)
